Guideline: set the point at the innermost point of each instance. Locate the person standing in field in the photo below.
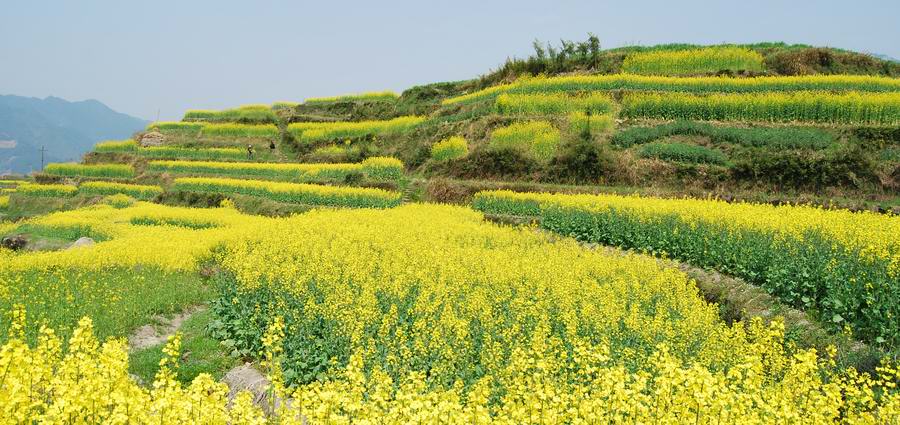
(249, 151)
(272, 146)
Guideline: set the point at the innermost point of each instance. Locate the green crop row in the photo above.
(770, 137)
(683, 152)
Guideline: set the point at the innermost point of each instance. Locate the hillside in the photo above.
(651, 234)
(66, 130)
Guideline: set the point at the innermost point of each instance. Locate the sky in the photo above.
(162, 57)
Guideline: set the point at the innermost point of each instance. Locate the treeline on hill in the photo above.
(779, 59)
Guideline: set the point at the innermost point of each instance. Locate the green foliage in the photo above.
(682, 152)
(693, 61)
(539, 139)
(582, 161)
(764, 137)
(449, 149)
(847, 166)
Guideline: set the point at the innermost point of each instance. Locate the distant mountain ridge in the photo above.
(65, 129)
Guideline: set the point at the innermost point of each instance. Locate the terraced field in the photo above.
(316, 246)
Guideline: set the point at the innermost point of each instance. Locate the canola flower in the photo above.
(88, 382)
(144, 263)
(116, 146)
(90, 170)
(538, 139)
(311, 132)
(46, 190)
(693, 61)
(4, 201)
(299, 193)
(425, 313)
(384, 96)
(587, 83)
(845, 264)
(820, 107)
(449, 149)
(247, 114)
(552, 103)
(375, 168)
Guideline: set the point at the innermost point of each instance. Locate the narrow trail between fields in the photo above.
(157, 333)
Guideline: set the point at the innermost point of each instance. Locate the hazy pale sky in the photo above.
(140, 57)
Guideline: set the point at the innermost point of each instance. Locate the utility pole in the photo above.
(42, 157)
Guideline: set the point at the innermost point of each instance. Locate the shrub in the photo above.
(94, 170)
(581, 161)
(682, 152)
(449, 149)
(539, 139)
(849, 166)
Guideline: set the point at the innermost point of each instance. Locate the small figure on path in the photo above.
(272, 146)
(249, 151)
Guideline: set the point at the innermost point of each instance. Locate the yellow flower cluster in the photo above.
(88, 383)
(553, 103)
(35, 189)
